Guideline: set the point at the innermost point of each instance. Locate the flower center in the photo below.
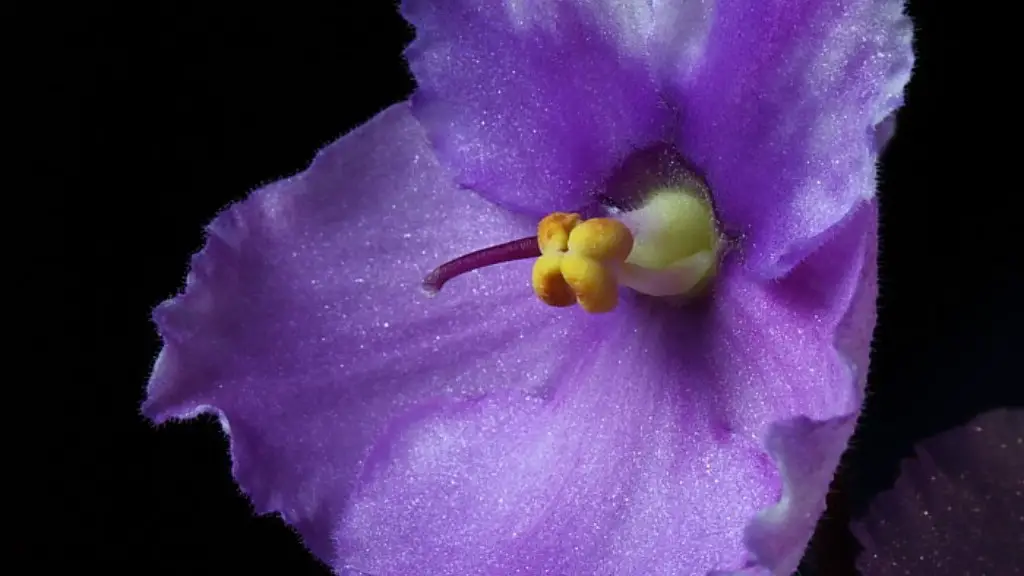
(668, 246)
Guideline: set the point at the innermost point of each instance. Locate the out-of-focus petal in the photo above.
(533, 102)
(304, 327)
(956, 508)
(646, 453)
(781, 115)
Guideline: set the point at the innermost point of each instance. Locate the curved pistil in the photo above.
(521, 249)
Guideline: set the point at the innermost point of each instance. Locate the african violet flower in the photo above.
(703, 173)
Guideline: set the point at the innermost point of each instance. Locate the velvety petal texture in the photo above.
(304, 326)
(957, 506)
(644, 453)
(806, 449)
(480, 432)
(781, 115)
(533, 102)
(777, 102)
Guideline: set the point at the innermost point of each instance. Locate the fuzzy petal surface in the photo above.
(646, 451)
(533, 102)
(785, 115)
(480, 432)
(303, 324)
(957, 506)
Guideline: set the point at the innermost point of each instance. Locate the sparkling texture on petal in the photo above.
(533, 102)
(678, 37)
(807, 450)
(481, 431)
(956, 508)
(645, 453)
(303, 324)
(781, 116)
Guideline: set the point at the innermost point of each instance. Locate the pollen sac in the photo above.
(548, 283)
(554, 230)
(578, 261)
(602, 239)
(594, 284)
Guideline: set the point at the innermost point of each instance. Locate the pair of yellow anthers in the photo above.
(579, 261)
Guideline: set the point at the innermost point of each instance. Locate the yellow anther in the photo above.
(578, 259)
(602, 239)
(553, 231)
(548, 283)
(593, 283)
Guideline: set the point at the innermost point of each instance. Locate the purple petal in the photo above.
(303, 324)
(678, 37)
(480, 431)
(533, 102)
(957, 508)
(645, 455)
(807, 450)
(781, 115)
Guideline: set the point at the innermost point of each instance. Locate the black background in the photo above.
(187, 108)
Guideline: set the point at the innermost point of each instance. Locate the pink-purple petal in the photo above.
(481, 432)
(806, 449)
(533, 102)
(781, 115)
(957, 506)
(304, 327)
(645, 453)
(615, 471)
(677, 39)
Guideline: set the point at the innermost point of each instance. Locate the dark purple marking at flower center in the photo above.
(521, 249)
(656, 166)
